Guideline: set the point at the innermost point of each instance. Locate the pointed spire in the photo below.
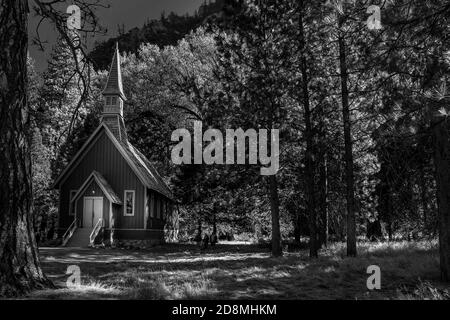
(114, 84)
(112, 115)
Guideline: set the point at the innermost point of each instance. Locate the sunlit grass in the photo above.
(408, 271)
(93, 290)
(424, 291)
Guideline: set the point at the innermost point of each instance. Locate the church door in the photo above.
(92, 212)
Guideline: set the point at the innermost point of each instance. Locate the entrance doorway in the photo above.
(92, 211)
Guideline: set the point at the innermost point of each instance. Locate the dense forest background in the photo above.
(360, 112)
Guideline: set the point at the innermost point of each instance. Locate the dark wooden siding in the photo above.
(156, 216)
(136, 234)
(104, 157)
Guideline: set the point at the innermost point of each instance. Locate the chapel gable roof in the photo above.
(140, 165)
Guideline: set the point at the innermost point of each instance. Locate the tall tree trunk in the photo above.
(323, 202)
(385, 200)
(275, 210)
(20, 269)
(198, 237)
(176, 229)
(309, 165)
(389, 223)
(423, 198)
(323, 178)
(412, 209)
(441, 140)
(214, 231)
(296, 223)
(349, 175)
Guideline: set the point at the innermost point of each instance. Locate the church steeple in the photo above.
(114, 85)
(114, 99)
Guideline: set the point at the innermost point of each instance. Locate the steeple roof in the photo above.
(114, 84)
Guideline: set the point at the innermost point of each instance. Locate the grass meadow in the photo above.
(245, 271)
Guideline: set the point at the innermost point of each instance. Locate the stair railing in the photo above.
(95, 232)
(69, 233)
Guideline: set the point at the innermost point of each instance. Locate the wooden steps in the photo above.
(80, 238)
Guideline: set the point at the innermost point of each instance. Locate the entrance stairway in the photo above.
(80, 238)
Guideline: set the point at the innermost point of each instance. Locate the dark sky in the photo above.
(131, 13)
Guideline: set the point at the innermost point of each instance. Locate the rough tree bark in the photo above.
(20, 269)
(349, 175)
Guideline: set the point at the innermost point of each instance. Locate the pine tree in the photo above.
(61, 92)
(20, 268)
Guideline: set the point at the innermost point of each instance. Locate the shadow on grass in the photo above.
(238, 272)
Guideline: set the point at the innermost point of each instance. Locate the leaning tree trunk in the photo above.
(20, 269)
(441, 141)
(349, 176)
